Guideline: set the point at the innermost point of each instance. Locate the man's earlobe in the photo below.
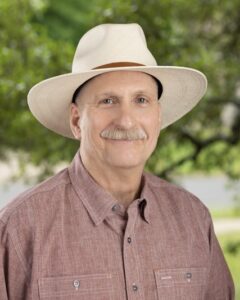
(74, 121)
(76, 132)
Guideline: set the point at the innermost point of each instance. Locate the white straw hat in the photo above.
(114, 47)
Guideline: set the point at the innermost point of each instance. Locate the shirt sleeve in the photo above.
(220, 285)
(12, 274)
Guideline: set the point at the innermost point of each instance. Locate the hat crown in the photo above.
(111, 44)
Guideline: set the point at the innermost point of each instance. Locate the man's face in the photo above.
(119, 119)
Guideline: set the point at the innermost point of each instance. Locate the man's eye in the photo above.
(142, 100)
(107, 101)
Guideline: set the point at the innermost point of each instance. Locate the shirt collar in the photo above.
(96, 199)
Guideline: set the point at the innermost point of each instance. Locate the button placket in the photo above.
(130, 257)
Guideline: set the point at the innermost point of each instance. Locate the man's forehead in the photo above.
(107, 80)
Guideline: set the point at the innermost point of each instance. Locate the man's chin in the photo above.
(126, 163)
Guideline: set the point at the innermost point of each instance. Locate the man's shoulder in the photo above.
(40, 191)
(159, 183)
(175, 193)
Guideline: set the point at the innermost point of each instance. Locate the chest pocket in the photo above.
(82, 287)
(180, 284)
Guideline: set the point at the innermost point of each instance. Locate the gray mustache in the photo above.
(120, 134)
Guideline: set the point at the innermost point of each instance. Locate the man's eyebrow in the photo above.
(114, 93)
(106, 93)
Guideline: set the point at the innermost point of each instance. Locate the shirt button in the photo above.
(115, 207)
(134, 287)
(76, 284)
(129, 240)
(188, 276)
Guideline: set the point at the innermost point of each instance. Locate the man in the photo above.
(103, 228)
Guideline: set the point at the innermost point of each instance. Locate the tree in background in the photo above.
(27, 56)
(202, 35)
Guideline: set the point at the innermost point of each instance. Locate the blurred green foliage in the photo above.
(27, 56)
(38, 39)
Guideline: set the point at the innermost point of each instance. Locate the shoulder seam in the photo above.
(16, 252)
(167, 184)
(23, 200)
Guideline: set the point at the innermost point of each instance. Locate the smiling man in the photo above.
(118, 127)
(103, 228)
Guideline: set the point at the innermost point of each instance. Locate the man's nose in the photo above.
(125, 117)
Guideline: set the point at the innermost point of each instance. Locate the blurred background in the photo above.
(201, 152)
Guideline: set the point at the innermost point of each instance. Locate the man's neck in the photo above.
(122, 183)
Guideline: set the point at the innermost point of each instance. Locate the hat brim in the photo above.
(49, 100)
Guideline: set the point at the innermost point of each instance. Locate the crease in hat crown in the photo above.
(126, 44)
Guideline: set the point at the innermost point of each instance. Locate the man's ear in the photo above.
(160, 112)
(74, 121)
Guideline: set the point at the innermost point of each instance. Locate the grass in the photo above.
(227, 213)
(233, 259)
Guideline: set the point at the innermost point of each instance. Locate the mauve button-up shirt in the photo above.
(68, 238)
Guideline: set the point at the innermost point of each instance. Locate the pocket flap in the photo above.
(181, 276)
(74, 285)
